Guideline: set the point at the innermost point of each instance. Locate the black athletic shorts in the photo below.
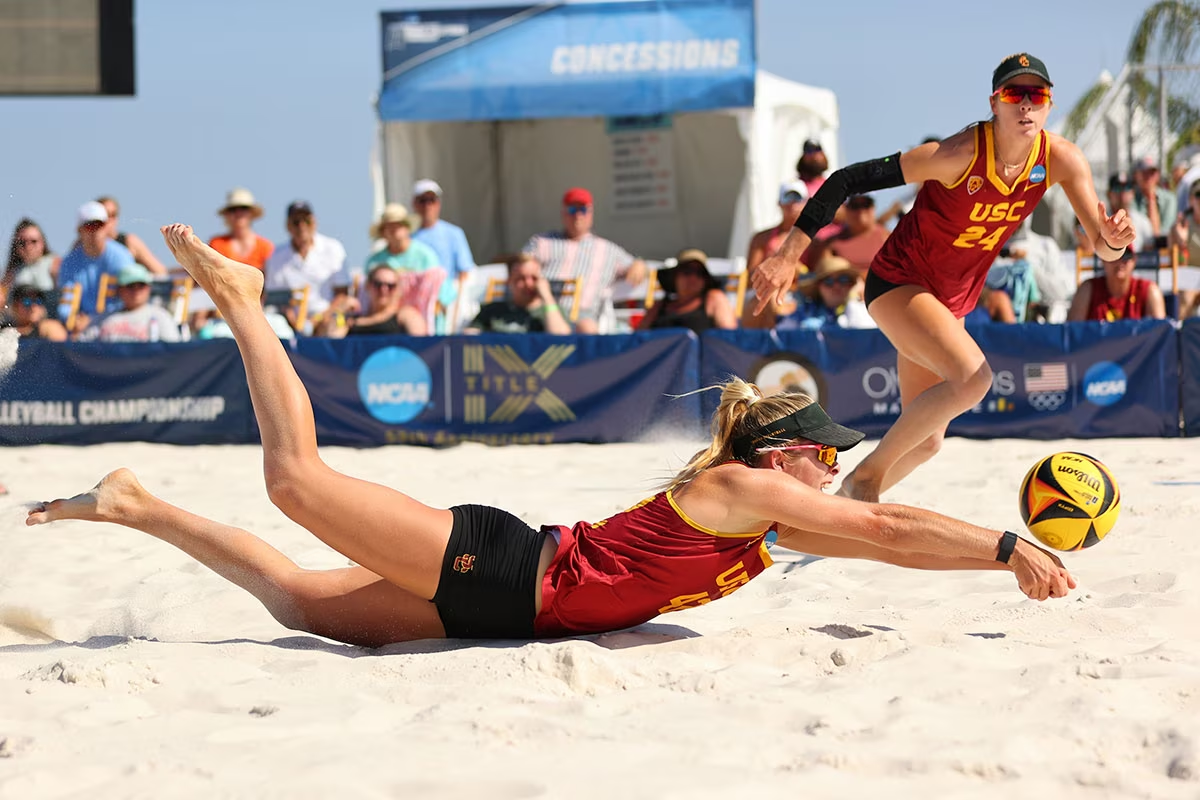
(489, 575)
(876, 287)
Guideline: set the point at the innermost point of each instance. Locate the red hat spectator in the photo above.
(577, 196)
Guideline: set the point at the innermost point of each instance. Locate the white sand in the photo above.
(127, 670)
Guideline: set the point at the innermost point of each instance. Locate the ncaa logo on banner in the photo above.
(395, 385)
(1104, 383)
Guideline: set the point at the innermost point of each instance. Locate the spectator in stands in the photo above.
(1053, 279)
(27, 313)
(401, 252)
(386, 311)
(861, 235)
(310, 259)
(1188, 178)
(528, 306)
(31, 262)
(1185, 235)
(576, 252)
(446, 239)
(240, 242)
(133, 243)
(1156, 202)
(831, 296)
(95, 254)
(764, 244)
(421, 275)
(1120, 196)
(692, 297)
(1117, 294)
(136, 319)
(812, 166)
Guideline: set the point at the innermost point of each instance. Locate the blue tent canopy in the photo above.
(567, 59)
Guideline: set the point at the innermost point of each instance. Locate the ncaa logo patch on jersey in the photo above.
(974, 184)
(1037, 174)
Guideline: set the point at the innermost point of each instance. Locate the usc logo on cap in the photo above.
(1023, 61)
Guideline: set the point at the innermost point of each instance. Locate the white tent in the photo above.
(504, 180)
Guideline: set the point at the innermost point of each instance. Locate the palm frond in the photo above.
(1168, 33)
(1082, 111)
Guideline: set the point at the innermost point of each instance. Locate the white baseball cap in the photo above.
(424, 186)
(793, 187)
(91, 211)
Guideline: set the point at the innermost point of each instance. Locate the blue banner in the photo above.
(499, 389)
(1084, 380)
(577, 59)
(191, 393)
(1189, 352)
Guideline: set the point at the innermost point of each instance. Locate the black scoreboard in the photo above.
(66, 47)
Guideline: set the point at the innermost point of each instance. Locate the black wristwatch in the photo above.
(1008, 543)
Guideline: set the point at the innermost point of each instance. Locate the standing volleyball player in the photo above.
(978, 186)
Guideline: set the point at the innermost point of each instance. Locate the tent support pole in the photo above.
(498, 182)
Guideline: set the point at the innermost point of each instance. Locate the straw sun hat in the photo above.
(241, 198)
(392, 212)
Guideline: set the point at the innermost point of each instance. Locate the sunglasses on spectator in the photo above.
(300, 220)
(691, 268)
(838, 280)
(94, 225)
(577, 209)
(30, 301)
(826, 454)
(793, 197)
(1012, 95)
(138, 285)
(28, 241)
(384, 285)
(426, 198)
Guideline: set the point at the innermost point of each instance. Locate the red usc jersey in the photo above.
(949, 240)
(1107, 308)
(640, 563)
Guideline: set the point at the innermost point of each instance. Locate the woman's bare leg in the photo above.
(926, 334)
(351, 605)
(389, 533)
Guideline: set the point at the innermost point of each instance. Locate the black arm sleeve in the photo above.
(866, 176)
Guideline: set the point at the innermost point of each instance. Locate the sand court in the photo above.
(127, 669)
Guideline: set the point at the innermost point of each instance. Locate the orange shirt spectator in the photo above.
(240, 242)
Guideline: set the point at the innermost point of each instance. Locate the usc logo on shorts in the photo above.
(464, 563)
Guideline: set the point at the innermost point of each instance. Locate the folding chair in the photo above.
(69, 297)
(293, 303)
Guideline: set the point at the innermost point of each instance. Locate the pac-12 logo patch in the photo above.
(1037, 174)
(974, 184)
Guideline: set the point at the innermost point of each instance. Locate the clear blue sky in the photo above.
(276, 96)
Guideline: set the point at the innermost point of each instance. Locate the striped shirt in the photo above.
(594, 260)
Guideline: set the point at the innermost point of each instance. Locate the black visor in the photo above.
(810, 422)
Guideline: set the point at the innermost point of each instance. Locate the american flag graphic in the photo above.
(1046, 378)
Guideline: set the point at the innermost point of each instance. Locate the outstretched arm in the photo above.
(942, 161)
(1110, 235)
(826, 546)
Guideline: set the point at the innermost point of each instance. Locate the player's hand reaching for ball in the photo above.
(1040, 574)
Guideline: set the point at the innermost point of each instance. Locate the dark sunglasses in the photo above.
(94, 225)
(426, 199)
(384, 285)
(305, 220)
(576, 209)
(138, 285)
(1012, 95)
(28, 241)
(838, 280)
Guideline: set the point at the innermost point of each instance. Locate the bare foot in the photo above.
(226, 281)
(114, 499)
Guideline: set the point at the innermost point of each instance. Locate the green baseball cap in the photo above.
(1019, 64)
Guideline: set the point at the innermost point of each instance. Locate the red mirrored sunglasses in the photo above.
(1013, 95)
